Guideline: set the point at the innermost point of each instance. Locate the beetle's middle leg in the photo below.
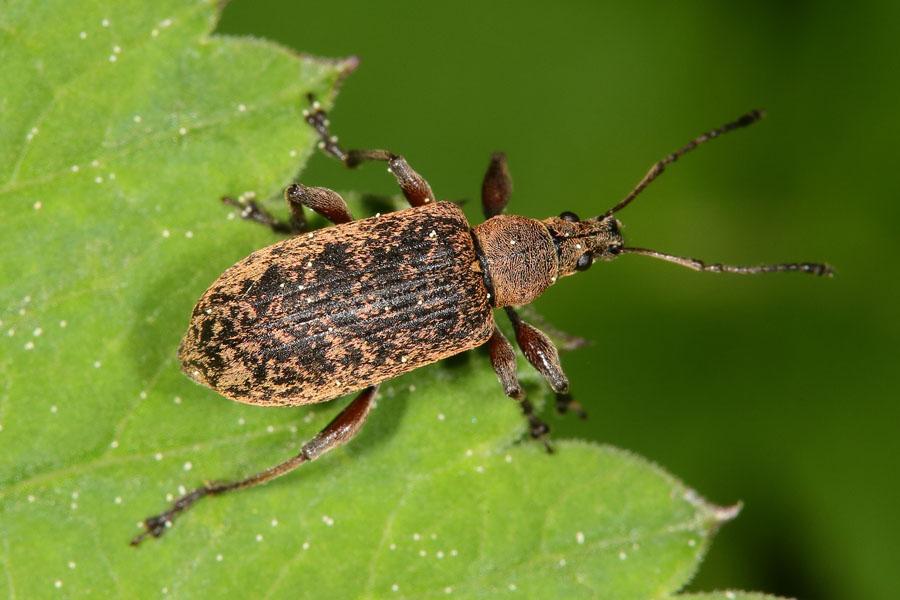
(503, 359)
(339, 431)
(327, 203)
(414, 187)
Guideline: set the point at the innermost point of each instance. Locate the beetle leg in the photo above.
(339, 431)
(563, 340)
(326, 202)
(503, 359)
(564, 403)
(496, 187)
(539, 429)
(414, 187)
(540, 352)
(252, 211)
(544, 357)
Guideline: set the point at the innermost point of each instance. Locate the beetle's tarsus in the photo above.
(252, 211)
(318, 120)
(158, 524)
(564, 403)
(414, 187)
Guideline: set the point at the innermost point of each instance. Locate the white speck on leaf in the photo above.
(579, 537)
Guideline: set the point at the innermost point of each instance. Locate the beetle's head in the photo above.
(579, 243)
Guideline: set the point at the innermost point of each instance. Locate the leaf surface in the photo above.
(122, 126)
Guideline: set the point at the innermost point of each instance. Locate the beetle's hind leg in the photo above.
(414, 187)
(339, 431)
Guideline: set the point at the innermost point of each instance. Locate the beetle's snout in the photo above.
(580, 243)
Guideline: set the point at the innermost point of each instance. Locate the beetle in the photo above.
(345, 308)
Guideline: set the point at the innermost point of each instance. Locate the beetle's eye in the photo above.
(584, 262)
(569, 216)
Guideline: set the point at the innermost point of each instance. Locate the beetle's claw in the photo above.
(564, 403)
(154, 526)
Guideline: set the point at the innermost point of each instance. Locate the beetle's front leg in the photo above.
(496, 186)
(544, 357)
(339, 431)
(503, 359)
(414, 187)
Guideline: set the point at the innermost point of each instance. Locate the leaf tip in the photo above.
(717, 514)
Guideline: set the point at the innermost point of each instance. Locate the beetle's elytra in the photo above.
(342, 309)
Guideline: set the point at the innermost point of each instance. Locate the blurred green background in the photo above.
(779, 391)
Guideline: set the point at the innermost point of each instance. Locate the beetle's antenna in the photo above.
(699, 265)
(657, 169)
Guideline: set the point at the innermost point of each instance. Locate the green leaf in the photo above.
(122, 125)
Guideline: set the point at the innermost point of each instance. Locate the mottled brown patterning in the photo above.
(326, 313)
(344, 308)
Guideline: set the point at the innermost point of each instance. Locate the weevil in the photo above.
(345, 308)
